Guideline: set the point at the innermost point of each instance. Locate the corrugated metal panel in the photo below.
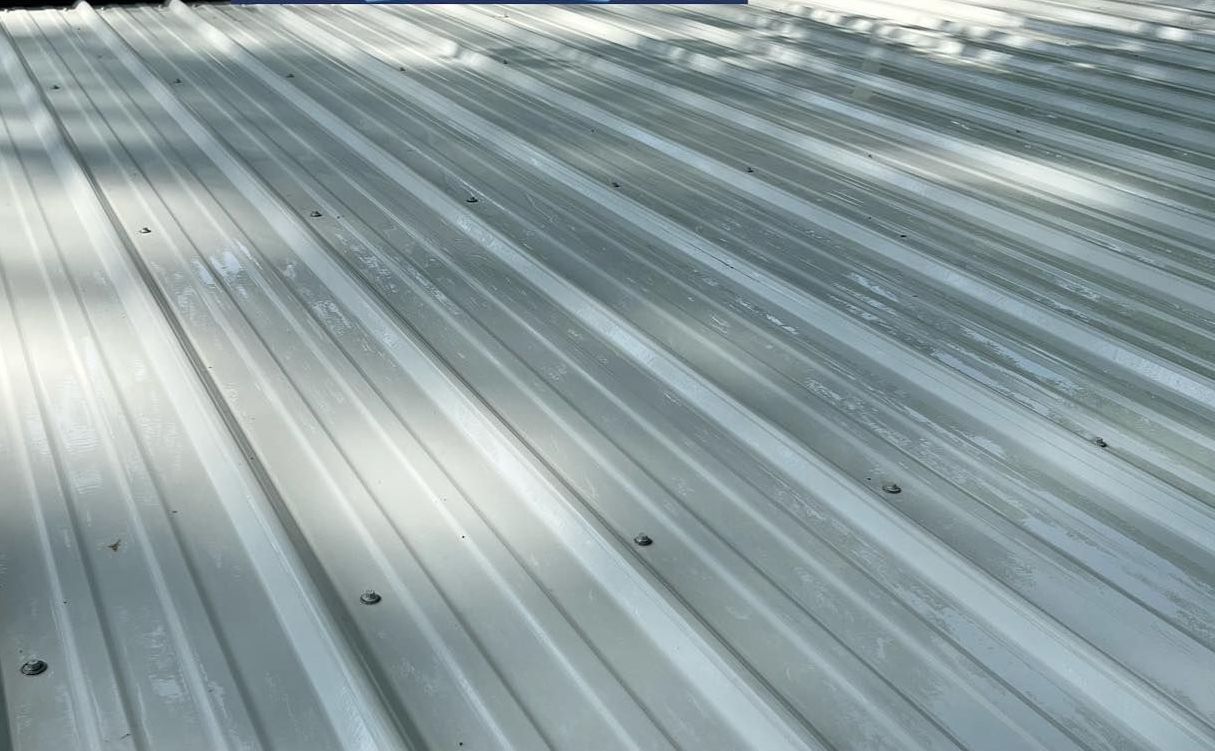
(453, 303)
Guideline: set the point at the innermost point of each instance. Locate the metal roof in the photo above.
(888, 325)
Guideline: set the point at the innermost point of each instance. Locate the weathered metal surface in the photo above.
(831, 375)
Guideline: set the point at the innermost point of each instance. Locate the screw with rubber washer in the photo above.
(34, 667)
(370, 597)
(891, 487)
(643, 540)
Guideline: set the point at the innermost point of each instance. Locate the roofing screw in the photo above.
(55, 87)
(145, 231)
(470, 199)
(643, 540)
(314, 213)
(370, 597)
(34, 667)
(1100, 442)
(290, 75)
(176, 80)
(615, 184)
(750, 170)
(891, 488)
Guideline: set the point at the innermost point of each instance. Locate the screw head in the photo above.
(891, 487)
(145, 231)
(370, 597)
(34, 667)
(1099, 441)
(470, 199)
(314, 214)
(643, 540)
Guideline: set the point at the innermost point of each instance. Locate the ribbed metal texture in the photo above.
(891, 325)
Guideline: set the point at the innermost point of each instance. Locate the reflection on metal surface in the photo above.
(832, 375)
